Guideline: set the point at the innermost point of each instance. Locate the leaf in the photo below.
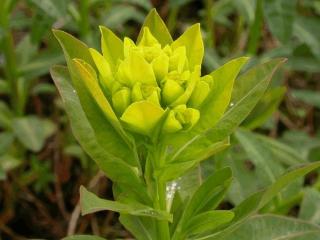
(270, 227)
(157, 27)
(208, 221)
(305, 29)
(6, 139)
(6, 116)
(83, 237)
(205, 198)
(111, 45)
(90, 203)
(307, 96)
(53, 8)
(96, 107)
(114, 167)
(219, 97)
(258, 200)
(310, 206)
(32, 131)
(280, 15)
(192, 40)
(247, 91)
(264, 108)
(142, 228)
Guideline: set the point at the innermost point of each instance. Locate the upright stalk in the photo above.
(255, 29)
(7, 46)
(210, 40)
(163, 227)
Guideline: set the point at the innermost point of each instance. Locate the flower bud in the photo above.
(121, 100)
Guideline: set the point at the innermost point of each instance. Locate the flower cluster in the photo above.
(149, 83)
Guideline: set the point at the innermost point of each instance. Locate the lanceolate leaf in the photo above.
(157, 27)
(83, 237)
(258, 200)
(205, 198)
(101, 117)
(90, 203)
(271, 227)
(114, 167)
(247, 91)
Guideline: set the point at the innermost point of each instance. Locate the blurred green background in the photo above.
(42, 166)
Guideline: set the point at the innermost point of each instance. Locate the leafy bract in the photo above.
(192, 40)
(114, 167)
(157, 27)
(90, 203)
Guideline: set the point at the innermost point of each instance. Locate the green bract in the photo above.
(145, 114)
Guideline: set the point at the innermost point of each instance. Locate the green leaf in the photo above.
(83, 237)
(265, 108)
(307, 96)
(97, 108)
(260, 199)
(310, 206)
(73, 48)
(219, 98)
(306, 30)
(280, 16)
(111, 45)
(142, 228)
(90, 203)
(247, 91)
(6, 139)
(208, 221)
(6, 116)
(192, 40)
(271, 227)
(157, 27)
(205, 198)
(114, 167)
(32, 131)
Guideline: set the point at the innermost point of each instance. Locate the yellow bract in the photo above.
(142, 80)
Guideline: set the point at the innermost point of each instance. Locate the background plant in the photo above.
(233, 24)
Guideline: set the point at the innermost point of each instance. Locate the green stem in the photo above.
(10, 69)
(255, 29)
(163, 227)
(210, 40)
(172, 19)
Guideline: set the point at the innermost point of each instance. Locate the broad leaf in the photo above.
(265, 108)
(310, 206)
(90, 203)
(280, 16)
(208, 221)
(32, 131)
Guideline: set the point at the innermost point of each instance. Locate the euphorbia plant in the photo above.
(145, 114)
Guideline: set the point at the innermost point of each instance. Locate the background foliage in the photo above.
(42, 166)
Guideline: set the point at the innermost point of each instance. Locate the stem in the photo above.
(210, 24)
(10, 59)
(157, 189)
(162, 225)
(172, 19)
(255, 29)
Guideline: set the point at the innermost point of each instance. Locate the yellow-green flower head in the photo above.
(155, 80)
